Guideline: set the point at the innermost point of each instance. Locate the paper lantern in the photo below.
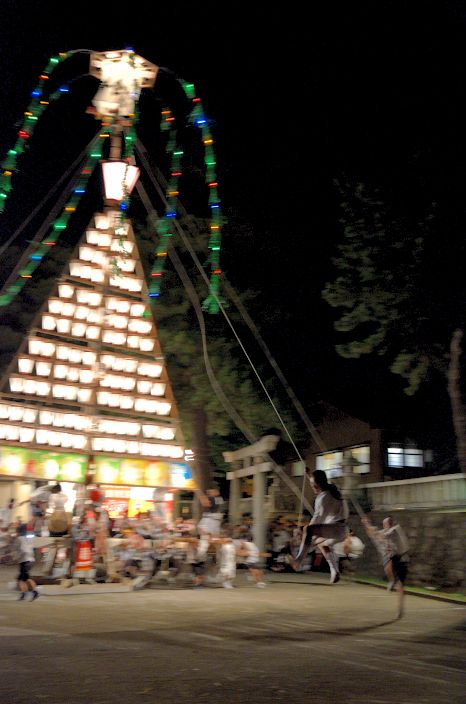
(119, 179)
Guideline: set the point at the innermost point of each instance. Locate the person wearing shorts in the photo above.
(26, 559)
(393, 547)
(248, 554)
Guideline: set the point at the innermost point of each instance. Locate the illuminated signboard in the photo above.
(133, 472)
(68, 467)
(41, 464)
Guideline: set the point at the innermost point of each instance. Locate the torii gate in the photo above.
(250, 461)
(254, 461)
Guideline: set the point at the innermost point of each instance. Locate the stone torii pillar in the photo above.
(249, 462)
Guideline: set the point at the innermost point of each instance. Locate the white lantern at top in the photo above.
(122, 75)
(119, 179)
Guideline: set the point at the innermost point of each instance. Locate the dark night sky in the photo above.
(298, 96)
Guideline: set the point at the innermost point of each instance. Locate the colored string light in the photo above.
(197, 118)
(58, 226)
(26, 128)
(164, 226)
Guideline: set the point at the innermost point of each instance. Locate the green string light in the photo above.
(164, 226)
(60, 224)
(26, 129)
(198, 119)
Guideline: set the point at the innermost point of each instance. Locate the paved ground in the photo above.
(299, 640)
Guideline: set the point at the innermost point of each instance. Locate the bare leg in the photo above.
(304, 548)
(346, 564)
(256, 574)
(332, 561)
(23, 587)
(32, 586)
(390, 575)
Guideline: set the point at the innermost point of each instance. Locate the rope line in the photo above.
(50, 217)
(239, 422)
(38, 207)
(247, 319)
(198, 264)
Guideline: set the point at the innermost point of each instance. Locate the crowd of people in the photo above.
(207, 551)
(114, 549)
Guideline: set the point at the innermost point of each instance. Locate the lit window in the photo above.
(395, 457)
(331, 463)
(400, 456)
(361, 455)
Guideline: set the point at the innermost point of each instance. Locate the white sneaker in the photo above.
(261, 585)
(228, 585)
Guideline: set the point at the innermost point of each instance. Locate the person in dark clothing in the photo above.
(26, 558)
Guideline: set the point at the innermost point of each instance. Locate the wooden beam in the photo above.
(250, 471)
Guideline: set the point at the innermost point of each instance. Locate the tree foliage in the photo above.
(400, 287)
(181, 342)
(384, 287)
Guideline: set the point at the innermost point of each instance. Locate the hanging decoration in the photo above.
(129, 136)
(197, 118)
(60, 223)
(40, 101)
(111, 106)
(164, 227)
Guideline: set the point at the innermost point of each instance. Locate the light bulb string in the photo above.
(40, 101)
(64, 208)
